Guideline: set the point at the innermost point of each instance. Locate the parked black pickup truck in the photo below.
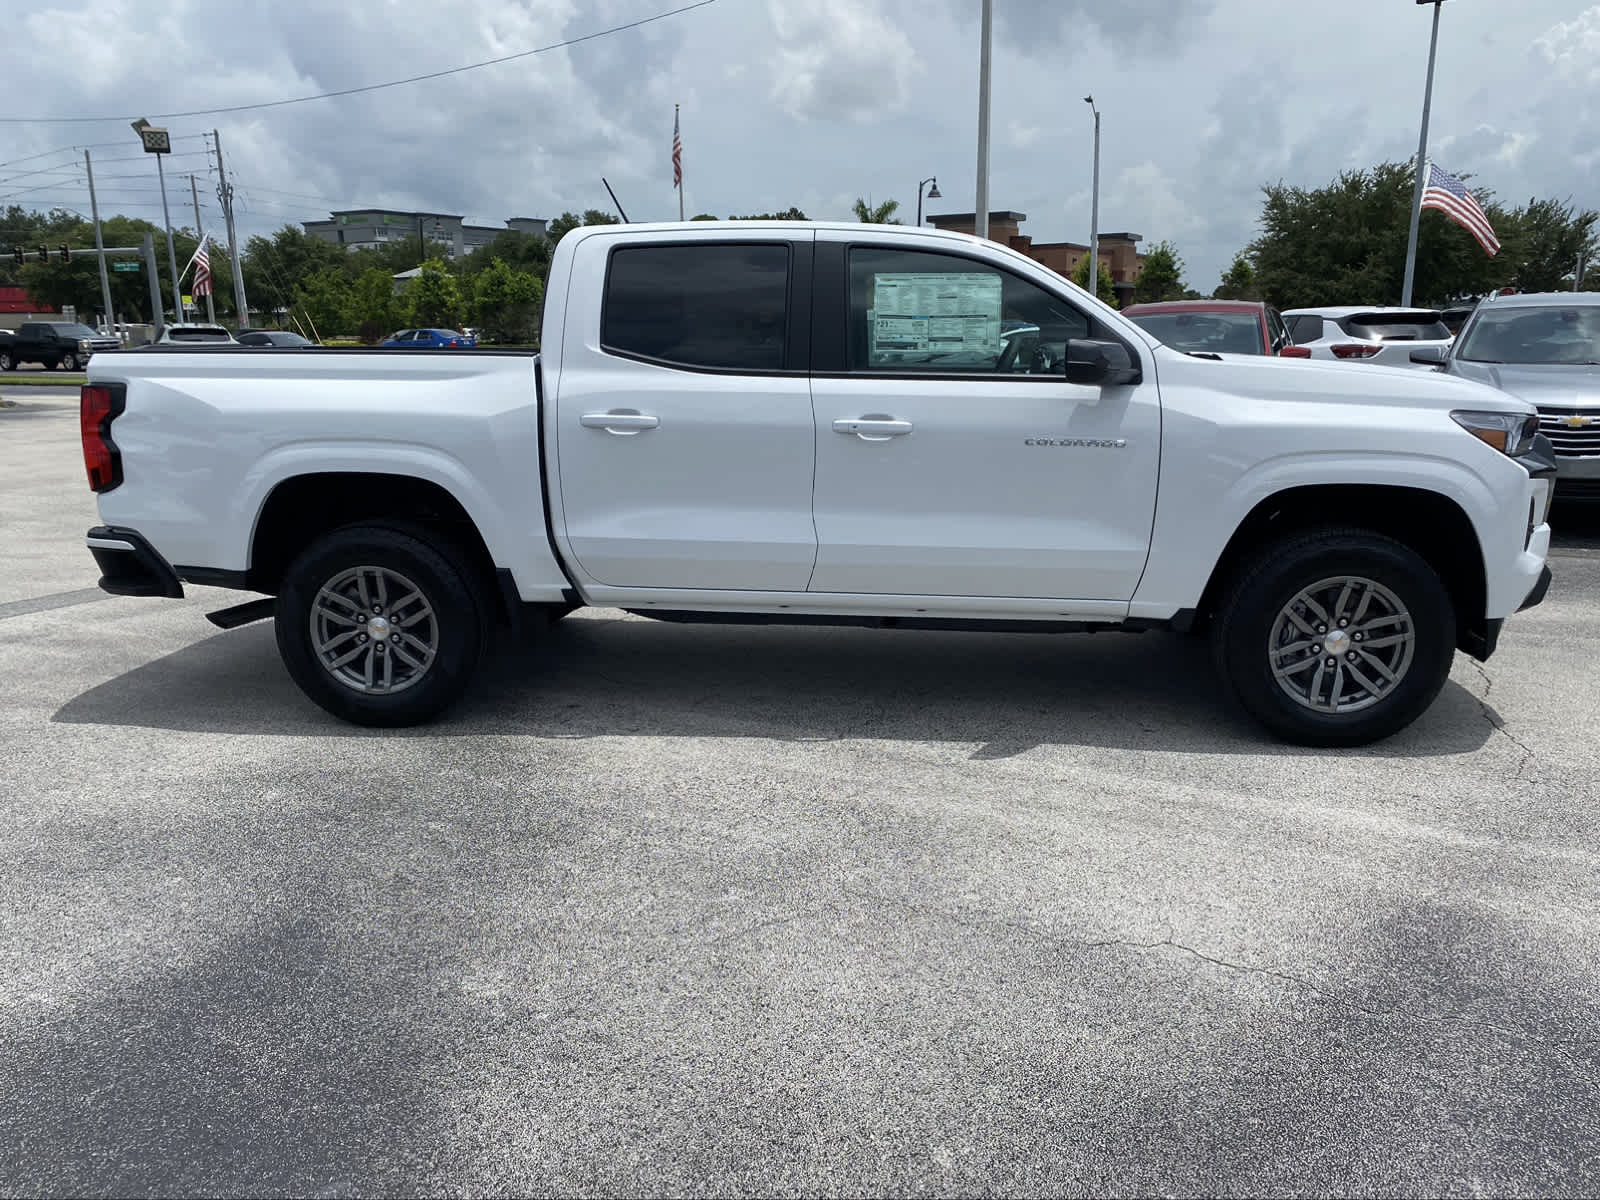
(54, 344)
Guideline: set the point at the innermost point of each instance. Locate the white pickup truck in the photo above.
(835, 424)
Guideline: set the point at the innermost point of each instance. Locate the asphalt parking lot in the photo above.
(739, 910)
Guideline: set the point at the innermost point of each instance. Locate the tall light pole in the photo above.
(1094, 207)
(981, 218)
(933, 194)
(158, 142)
(1422, 161)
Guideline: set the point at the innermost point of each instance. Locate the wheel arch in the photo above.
(1430, 523)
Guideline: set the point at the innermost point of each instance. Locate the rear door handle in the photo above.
(872, 429)
(623, 423)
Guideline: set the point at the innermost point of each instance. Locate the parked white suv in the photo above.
(1362, 333)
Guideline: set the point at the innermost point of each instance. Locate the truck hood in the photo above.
(1328, 382)
(1567, 385)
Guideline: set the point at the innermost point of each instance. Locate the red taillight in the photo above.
(1294, 352)
(1355, 350)
(98, 406)
(453, 342)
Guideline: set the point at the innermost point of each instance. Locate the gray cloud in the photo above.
(813, 102)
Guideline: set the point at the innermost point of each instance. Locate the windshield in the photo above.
(201, 335)
(76, 331)
(1533, 335)
(1423, 325)
(1207, 333)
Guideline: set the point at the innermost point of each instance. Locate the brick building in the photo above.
(1119, 252)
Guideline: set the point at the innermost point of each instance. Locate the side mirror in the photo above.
(1108, 364)
(1428, 356)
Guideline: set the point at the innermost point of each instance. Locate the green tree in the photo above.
(374, 307)
(434, 297)
(794, 214)
(528, 252)
(568, 221)
(882, 214)
(1239, 281)
(1161, 277)
(1346, 243)
(275, 267)
(1546, 239)
(1104, 287)
(506, 304)
(703, 217)
(323, 300)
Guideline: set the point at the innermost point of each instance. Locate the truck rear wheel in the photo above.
(1338, 637)
(380, 627)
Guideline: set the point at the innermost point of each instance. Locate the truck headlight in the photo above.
(1509, 433)
(83, 343)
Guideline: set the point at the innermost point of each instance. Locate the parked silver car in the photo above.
(1355, 333)
(1541, 347)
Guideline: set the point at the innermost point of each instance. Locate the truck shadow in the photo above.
(592, 677)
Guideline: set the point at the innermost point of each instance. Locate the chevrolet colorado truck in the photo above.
(831, 424)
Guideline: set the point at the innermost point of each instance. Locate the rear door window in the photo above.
(697, 305)
(1305, 329)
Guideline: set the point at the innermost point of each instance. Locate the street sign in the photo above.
(125, 267)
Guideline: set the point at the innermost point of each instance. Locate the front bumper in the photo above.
(129, 565)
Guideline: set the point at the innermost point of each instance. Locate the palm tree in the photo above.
(883, 214)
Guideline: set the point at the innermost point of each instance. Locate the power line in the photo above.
(371, 87)
(182, 137)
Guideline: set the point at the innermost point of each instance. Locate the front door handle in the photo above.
(873, 428)
(623, 422)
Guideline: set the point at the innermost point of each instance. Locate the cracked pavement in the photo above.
(677, 910)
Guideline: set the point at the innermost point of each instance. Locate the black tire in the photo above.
(67, 362)
(1256, 636)
(5, 360)
(447, 642)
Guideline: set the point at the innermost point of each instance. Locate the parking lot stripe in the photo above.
(21, 608)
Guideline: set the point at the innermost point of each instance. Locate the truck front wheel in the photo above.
(1337, 637)
(380, 627)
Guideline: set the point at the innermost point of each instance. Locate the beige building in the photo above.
(1119, 252)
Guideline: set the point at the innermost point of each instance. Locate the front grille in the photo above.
(1572, 441)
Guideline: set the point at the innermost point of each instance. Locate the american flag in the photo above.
(677, 152)
(202, 269)
(1450, 196)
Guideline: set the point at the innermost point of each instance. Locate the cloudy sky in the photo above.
(800, 102)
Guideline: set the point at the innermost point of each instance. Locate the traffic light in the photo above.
(66, 253)
(44, 254)
(19, 256)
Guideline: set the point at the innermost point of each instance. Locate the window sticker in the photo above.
(934, 314)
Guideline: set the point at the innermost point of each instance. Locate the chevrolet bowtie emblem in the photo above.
(1577, 421)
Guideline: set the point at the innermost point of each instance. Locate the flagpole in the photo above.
(678, 146)
(1422, 162)
(194, 195)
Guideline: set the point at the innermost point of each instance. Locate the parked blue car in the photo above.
(430, 339)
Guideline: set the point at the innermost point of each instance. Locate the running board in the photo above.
(242, 614)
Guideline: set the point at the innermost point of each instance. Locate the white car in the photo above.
(828, 424)
(190, 333)
(1364, 333)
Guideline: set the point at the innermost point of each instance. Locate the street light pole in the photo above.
(933, 194)
(1422, 161)
(1094, 208)
(158, 142)
(981, 218)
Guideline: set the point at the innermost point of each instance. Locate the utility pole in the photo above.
(149, 250)
(981, 218)
(1422, 161)
(194, 196)
(100, 248)
(225, 198)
